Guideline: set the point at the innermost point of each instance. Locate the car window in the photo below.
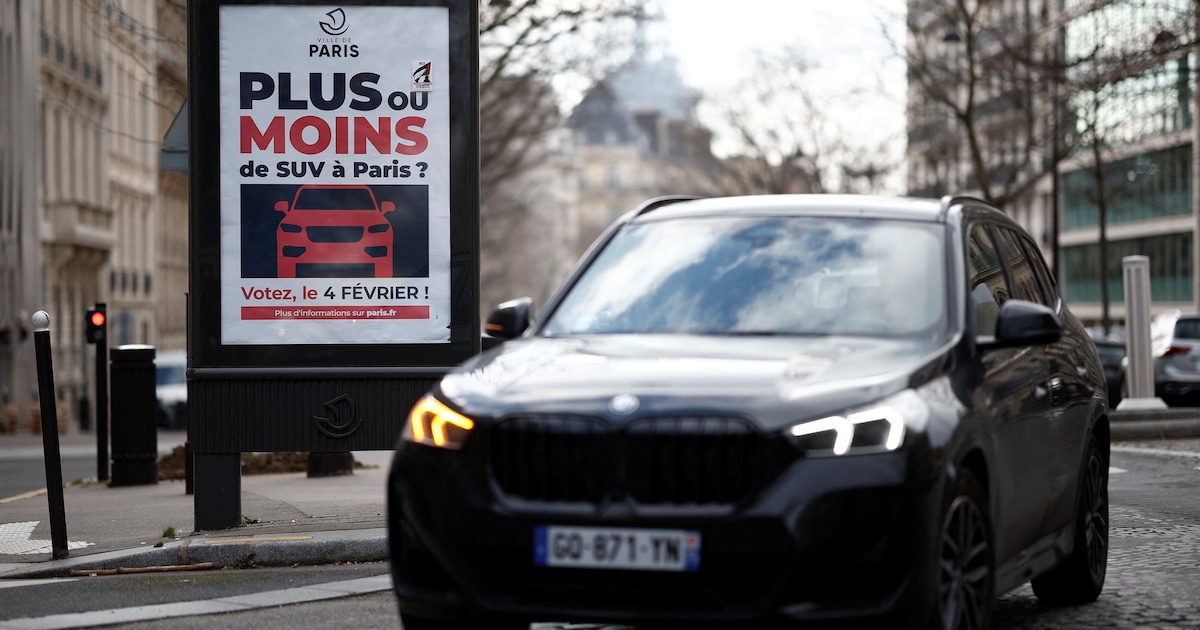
(989, 287)
(1049, 287)
(1028, 273)
(170, 374)
(762, 275)
(335, 199)
(1187, 329)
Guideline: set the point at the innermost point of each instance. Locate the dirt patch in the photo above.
(172, 466)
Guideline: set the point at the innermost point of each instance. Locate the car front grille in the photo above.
(654, 461)
(335, 233)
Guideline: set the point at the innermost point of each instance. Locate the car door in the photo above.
(1013, 400)
(1072, 378)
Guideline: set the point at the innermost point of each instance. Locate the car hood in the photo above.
(774, 379)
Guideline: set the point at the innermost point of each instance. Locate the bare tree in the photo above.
(787, 137)
(530, 50)
(1122, 89)
(976, 71)
(523, 45)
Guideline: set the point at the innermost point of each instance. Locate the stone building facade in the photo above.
(20, 211)
(87, 215)
(1119, 77)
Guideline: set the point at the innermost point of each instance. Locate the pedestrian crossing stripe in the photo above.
(16, 539)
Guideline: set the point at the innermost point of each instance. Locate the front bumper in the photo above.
(824, 539)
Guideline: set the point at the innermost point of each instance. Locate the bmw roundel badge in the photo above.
(623, 404)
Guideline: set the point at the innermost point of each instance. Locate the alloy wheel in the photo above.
(1096, 527)
(964, 576)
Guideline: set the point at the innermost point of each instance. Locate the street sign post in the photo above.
(334, 224)
(95, 331)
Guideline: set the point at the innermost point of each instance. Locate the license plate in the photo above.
(616, 548)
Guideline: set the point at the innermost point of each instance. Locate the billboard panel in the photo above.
(335, 174)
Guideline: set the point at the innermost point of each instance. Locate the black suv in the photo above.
(776, 408)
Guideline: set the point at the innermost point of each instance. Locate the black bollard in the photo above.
(133, 429)
(54, 485)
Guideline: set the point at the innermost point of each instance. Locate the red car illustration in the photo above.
(334, 230)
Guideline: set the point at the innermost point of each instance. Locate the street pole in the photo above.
(1055, 155)
(102, 402)
(53, 459)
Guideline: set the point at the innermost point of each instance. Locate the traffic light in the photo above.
(95, 325)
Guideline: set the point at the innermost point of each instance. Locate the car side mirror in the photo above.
(281, 206)
(510, 319)
(387, 206)
(1022, 323)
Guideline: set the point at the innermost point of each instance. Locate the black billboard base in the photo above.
(330, 464)
(218, 490)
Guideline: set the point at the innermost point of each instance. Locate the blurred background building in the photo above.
(88, 216)
(20, 210)
(1078, 118)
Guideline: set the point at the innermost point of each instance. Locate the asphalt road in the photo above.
(21, 476)
(1153, 579)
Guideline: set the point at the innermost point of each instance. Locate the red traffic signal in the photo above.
(94, 325)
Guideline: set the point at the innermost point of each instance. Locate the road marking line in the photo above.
(1136, 450)
(34, 582)
(16, 539)
(265, 599)
(26, 495)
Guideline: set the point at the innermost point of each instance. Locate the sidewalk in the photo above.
(293, 519)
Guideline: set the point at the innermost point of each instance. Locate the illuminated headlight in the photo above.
(879, 428)
(434, 424)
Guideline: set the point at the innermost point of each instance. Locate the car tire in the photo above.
(1081, 577)
(409, 622)
(965, 580)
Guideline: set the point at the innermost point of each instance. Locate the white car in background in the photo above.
(1175, 345)
(170, 368)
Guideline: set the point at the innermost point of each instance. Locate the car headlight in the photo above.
(876, 429)
(434, 424)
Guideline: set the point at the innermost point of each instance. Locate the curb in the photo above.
(1155, 429)
(272, 550)
(1151, 424)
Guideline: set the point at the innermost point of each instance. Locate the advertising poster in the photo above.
(334, 175)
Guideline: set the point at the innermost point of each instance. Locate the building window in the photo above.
(1171, 275)
(1146, 187)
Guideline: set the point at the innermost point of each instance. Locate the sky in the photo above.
(712, 39)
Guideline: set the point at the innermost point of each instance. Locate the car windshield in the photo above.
(762, 276)
(335, 199)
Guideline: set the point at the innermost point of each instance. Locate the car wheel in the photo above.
(1081, 578)
(409, 622)
(965, 579)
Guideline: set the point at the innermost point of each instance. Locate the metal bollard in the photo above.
(1140, 376)
(134, 414)
(54, 485)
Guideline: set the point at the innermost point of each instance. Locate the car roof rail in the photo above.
(658, 202)
(950, 200)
